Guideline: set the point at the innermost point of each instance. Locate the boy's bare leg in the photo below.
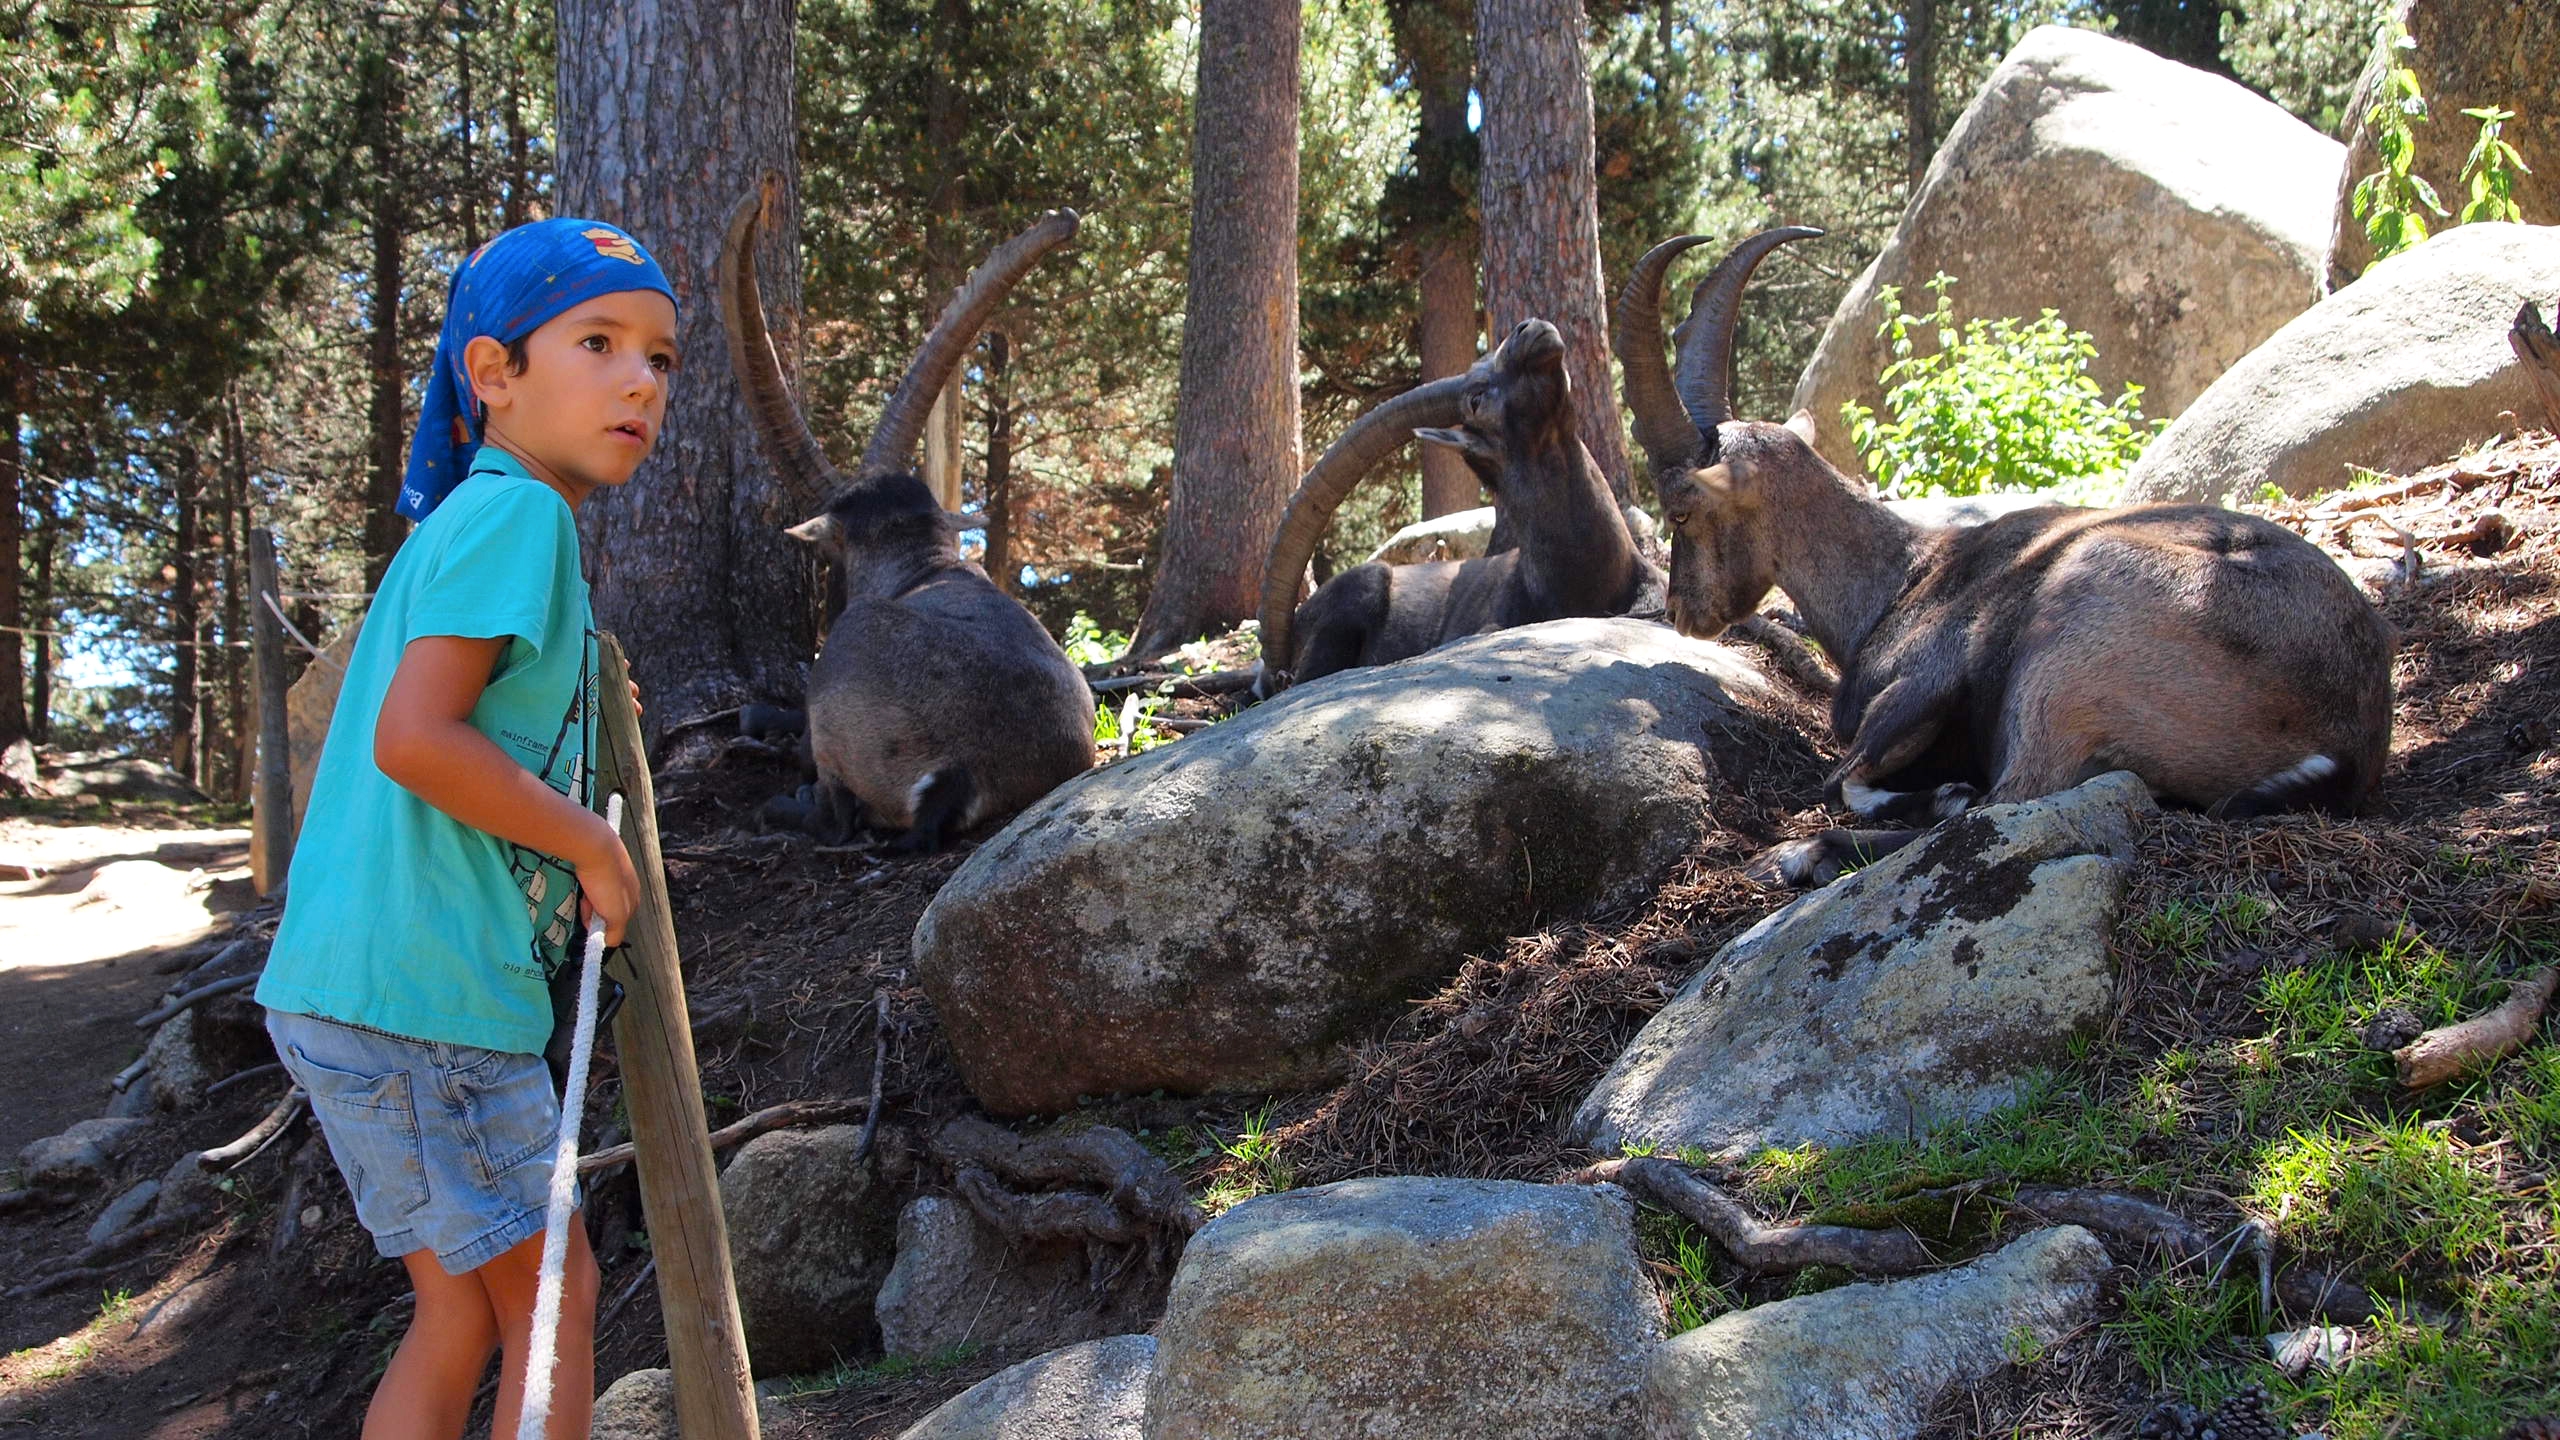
(426, 1394)
(510, 1282)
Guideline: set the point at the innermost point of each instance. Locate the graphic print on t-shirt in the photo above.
(551, 888)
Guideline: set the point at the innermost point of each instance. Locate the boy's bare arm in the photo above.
(426, 743)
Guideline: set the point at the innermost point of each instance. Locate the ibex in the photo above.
(2220, 657)
(1511, 416)
(938, 702)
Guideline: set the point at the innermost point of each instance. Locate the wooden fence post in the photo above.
(662, 1088)
(274, 803)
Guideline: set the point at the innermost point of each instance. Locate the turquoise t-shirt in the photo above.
(399, 916)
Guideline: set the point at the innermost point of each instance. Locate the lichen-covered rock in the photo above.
(1917, 991)
(811, 1235)
(78, 1157)
(2407, 367)
(2172, 214)
(639, 1406)
(1093, 1391)
(1456, 1309)
(2466, 54)
(1865, 1362)
(1225, 913)
(958, 1282)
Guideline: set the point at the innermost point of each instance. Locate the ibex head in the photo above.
(881, 499)
(1515, 401)
(1705, 463)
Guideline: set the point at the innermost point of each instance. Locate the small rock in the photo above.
(2392, 1028)
(121, 1216)
(2357, 931)
(79, 1156)
(639, 1406)
(1093, 1391)
(2295, 1351)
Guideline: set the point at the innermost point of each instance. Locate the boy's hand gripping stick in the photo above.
(541, 1354)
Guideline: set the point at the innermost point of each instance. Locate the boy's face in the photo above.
(593, 395)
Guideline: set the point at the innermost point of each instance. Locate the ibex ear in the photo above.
(1801, 422)
(819, 532)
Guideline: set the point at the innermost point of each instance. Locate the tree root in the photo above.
(788, 1115)
(1789, 649)
(2481, 1041)
(195, 997)
(1757, 1247)
(1098, 1188)
(246, 1148)
(91, 1262)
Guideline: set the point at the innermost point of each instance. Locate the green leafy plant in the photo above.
(1254, 1166)
(2492, 169)
(1997, 405)
(2390, 200)
(1087, 643)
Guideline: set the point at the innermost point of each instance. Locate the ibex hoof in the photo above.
(1797, 865)
(1952, 801)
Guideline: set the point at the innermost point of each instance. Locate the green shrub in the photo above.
(1998, 405)
(2389, 200)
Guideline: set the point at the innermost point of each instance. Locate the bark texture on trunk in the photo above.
(14, 372)
(1437, 38)
(668, 114)
(386, 420)
(1541, 203)
(1235, 440)
(999, 473)
(1920, 86)
(186, 621)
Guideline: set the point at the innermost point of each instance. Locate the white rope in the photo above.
(541, 1355)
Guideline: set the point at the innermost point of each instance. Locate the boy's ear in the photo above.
(485, 361)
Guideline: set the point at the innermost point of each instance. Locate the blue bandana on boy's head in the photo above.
(506, 290)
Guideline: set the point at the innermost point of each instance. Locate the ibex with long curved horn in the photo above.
(2221, 657)
(938, 701)
(1511, 416)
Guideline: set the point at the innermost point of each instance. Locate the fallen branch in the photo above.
(789, 1114)
(124, 1078)
(246, 1148)
(1789, 649)
(195, 997)
(1754, 1245)
(1185, 687)
(619, 1301)
(272, 1067)
(220, 959)
(2481, 1041)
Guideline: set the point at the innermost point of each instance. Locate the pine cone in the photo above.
(2244, 1417)
(2175, 1420)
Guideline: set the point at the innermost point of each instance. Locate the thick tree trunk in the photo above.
(1920, 85)
(1235, 427)
(235, 610)
(38, 607)
(186, 621)
(14, 385)
(1437, 40)
(386, 420)
(668, 114)
(946, 124)
(1540, 202)
(999, 473)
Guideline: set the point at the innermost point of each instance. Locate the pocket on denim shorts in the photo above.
(512, 1114)
(371, 1124)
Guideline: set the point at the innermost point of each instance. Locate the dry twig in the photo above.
(2481, 1041)
(195, 997)
(785, 1116)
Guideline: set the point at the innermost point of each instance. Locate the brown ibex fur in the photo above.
(1511, 416)
(2221, 657)
(938, 702)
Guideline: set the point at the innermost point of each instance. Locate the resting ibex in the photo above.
(2222, 658)
(938, 702)
(1511, 416)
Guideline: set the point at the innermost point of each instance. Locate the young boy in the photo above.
(438, 879)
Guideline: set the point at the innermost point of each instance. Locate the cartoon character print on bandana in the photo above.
(551, 888)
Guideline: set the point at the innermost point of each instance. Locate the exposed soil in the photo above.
(276, 1320)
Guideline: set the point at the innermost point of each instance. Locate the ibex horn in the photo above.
(1705, 340)
(901, 425)
(1635, 332)
(779, 423)
(1372, 438)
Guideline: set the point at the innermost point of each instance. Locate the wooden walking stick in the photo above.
(662, 1088)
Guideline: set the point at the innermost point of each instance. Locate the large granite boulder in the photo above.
(958, 1281)
(1093, 1391)
(1226, 913)
(1865, 1362)
(812, 1233)
(639, 1406)
(2469, 54)
(1456, 1309)
(2175, 216)
(2407, 367)
(1918, 991)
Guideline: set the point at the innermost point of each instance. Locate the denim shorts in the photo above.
(445, 1147)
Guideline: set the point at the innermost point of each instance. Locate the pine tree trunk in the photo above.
(1540, 202)
(1920, 85)
(999, 473)
(668, 114)
(186, 621)
(38, 608)
(235, 610)
(519, 202)
(946, 261)
(386, 419)
(1235, 427)
(1436, 38)
(14, 386)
